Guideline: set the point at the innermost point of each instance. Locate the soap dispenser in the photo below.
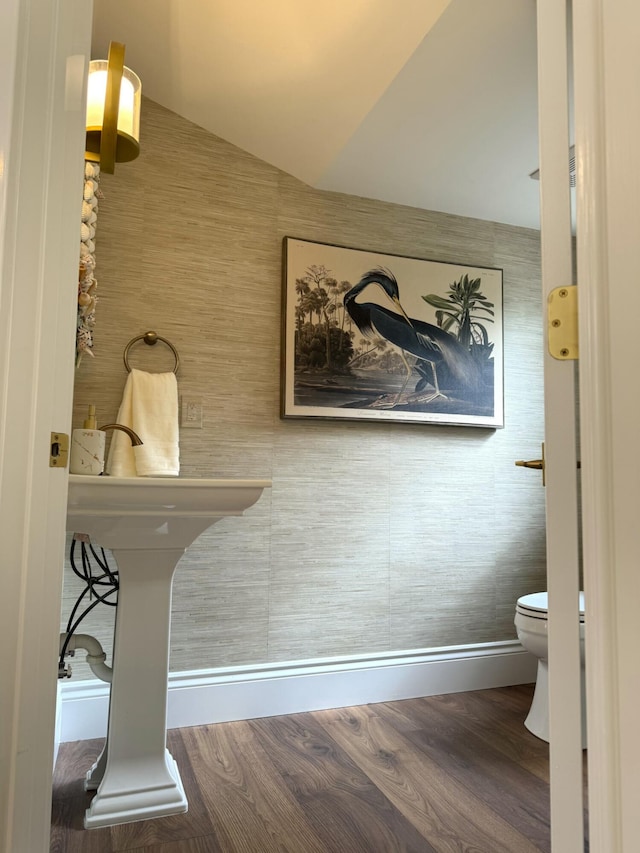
(87, 447)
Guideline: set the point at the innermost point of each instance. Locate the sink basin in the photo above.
(153, 512)
(148, 523)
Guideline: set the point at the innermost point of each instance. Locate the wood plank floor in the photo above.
(452, 774)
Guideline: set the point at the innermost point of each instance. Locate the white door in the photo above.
(562, 522)
(44, 50)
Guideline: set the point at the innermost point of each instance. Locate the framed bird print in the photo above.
(373, 336)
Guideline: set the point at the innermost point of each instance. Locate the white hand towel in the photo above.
(150, 407)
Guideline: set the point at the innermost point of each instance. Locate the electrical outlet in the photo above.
(191, 412)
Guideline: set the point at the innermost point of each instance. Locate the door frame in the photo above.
(44, 51)
(607, 70)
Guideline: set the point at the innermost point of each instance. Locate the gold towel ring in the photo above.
(150, 338)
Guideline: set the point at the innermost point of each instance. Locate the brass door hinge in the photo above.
(59, 450)
(562, 319)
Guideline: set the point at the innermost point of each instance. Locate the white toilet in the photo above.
(531, 625)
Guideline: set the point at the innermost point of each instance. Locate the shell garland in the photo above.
(87, 283)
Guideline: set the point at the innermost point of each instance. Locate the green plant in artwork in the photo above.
(463, 313)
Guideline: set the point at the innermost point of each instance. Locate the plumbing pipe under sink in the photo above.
(96, 656)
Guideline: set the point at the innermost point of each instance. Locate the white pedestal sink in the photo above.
(148, 523)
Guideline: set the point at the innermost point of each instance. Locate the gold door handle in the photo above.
(536, 464)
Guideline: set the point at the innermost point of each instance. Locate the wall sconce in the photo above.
(113, 111)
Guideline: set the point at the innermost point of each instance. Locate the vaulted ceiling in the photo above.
(428, 103)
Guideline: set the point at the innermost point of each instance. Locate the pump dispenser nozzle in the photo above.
(90, 421)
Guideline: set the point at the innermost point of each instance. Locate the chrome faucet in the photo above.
(135, 438)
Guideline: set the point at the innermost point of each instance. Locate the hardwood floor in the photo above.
(452, 774)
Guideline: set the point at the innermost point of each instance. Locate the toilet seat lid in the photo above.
(536, 604)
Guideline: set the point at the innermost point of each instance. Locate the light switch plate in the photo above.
(191, 412)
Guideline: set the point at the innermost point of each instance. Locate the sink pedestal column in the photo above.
(136, 777)
(148, 523)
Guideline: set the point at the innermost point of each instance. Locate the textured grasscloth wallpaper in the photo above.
(375, 536)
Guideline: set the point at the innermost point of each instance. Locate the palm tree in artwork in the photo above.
(464, 311)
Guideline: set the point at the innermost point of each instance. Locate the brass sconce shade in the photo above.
(113, 111)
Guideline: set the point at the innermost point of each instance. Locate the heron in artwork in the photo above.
(428, 343)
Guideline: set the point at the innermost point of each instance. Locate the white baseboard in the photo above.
(58, 724)
(247, 692)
